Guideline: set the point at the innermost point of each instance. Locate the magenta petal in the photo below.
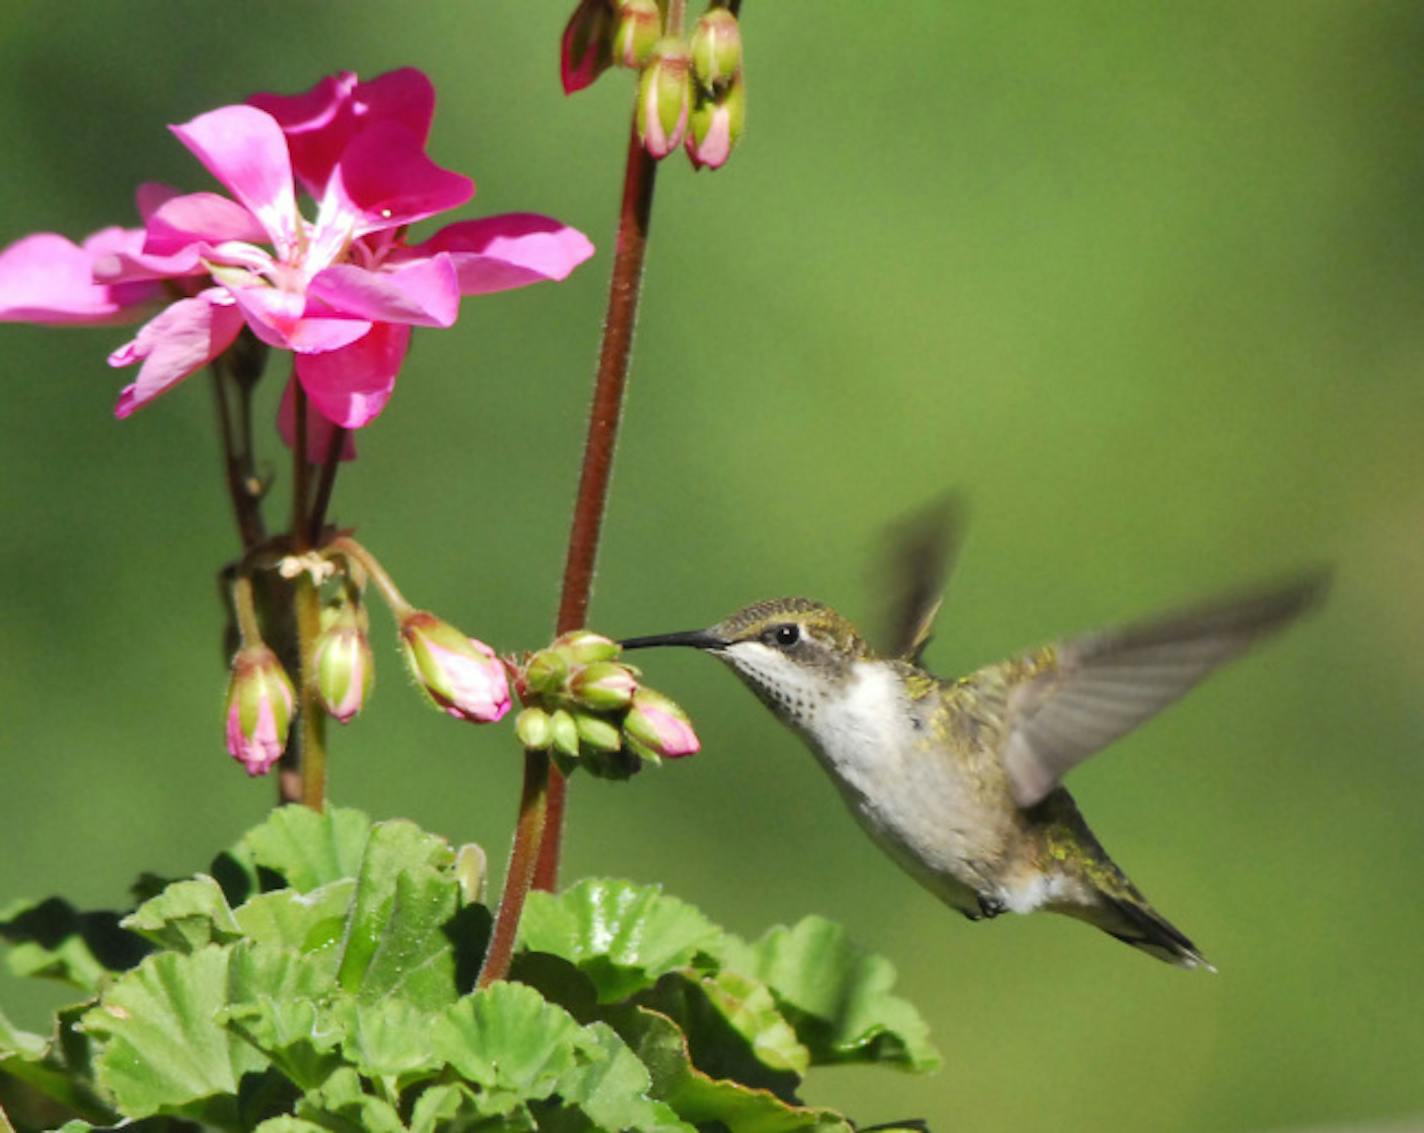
(152, 194)
(188, 334)
(404, 95)
(277, 318)
(352, 385)
(497, 253)
(386, 179)
(423, 293)
(318, 124)
(243, 147)
(46, 278)
(319, 429)
(182, 221)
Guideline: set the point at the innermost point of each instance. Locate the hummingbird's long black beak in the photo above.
(696, 638)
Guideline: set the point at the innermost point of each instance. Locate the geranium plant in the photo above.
(334, 972)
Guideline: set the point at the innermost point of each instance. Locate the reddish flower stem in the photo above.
(534, 860)
(237, 458)
(311, 717)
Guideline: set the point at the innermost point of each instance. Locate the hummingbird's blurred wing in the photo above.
(1084, 693)
(919, 554)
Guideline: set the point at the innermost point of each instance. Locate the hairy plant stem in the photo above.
(306, 605)
(237, 455)
(329, 468)
(534, 860)
(349, 548)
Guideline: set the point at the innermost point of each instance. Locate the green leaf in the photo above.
(700, 1099)
(40, 1064)
(342, 1106)
(162, 1047)
(387, 1040)
(510, 1042)
(395, 940)
(307, 922)
(623, 936)
(308, 849)
(274, 999)
(836, 995)
(185, 916)
(612, 1088)
(288, 1124)
(53, 940)
(15, 1043)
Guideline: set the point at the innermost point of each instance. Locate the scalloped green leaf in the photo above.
(308, 849)
(40, 1063)
(836, 995)
(274, 1003)
(289, 1124)
(162, 1048)
(396, 940)
(185, 916)
(387, 1040)
(698, 1098)
(612, 1087)
(508, 1040)
(308, 921)
(621, 935)
(51, 939)
(341, 1105)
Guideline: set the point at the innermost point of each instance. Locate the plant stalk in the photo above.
(534, 860)
(306, 601)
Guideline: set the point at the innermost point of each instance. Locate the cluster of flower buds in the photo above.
(690, 89)
(589, 710)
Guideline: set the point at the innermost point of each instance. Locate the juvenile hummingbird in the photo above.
(958, 780)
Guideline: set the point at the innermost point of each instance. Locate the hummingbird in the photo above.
(958, 780)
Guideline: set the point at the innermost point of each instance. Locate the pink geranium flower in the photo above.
(341, 291)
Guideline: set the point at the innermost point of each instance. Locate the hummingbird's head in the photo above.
(792, 652)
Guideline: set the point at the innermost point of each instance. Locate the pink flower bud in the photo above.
(586, 51)
(260, 697)
(716, 126)
(660, 725)
(640, 23)
(462, 675)
(664, 95)
(344, 667)
(603, 686)
(716, 49)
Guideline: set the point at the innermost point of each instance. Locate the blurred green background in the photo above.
(1143, 280)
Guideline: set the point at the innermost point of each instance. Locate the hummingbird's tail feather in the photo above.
(1138, 924)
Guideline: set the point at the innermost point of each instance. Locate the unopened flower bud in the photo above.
(604, 686)
(462, 675)
(546, 671)
(584, 647)
(260, 697)
(716, 126)
(664, 97)
(343, 664)
(716, 49)
(639, 24)
(586, 49)
(660, 725)
(565, 733)
(597, 732)
(534, 729)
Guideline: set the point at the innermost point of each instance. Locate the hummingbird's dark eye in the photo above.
(786, 636)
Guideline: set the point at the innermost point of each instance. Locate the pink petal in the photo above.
(404, 95)
(185, 336)
(317, 124)
(385, 180)
(497, 253)
(244, 149)
(319, 430)
(352, 385)
(46, 278)
(194, 217)
(150, 195)
(423, 293)
(278, 318)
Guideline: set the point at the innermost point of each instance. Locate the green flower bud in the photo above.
(664, 97)
(597, 732)
(605, 686)
(716, 126)
(564, 733)
(584, 647)
(546, 671)
(639, 24)
(716, 49)
(534, 729)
